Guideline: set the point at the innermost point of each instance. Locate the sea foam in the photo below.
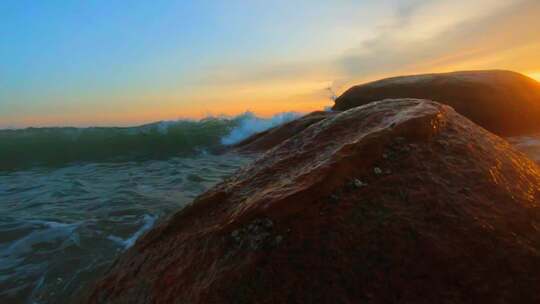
(148, 222)
(250, 124)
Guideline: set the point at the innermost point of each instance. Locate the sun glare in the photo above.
(534, 75)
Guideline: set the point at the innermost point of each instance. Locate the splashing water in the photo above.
(148, 222)
(249, 124)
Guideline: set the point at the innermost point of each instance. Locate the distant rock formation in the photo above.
(397, 201)
(503, 102)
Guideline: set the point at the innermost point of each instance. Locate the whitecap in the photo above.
(148, 222)
(250, 124)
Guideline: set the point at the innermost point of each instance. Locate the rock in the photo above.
(358, 183)
(255, 235)
(333, 199)
(503, 102)
(410, 237)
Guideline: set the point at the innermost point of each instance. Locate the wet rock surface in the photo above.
(503, 102)
(397, 201)
(256, 235)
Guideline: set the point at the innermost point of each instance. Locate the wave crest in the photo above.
(250, 124)
(23, 148)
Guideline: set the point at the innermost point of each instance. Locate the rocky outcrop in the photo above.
(397, 201)
(503, 102)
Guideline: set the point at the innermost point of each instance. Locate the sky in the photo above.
(96, 63)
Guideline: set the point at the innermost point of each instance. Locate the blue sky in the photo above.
(118, 62)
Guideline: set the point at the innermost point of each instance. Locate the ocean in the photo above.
(73, 199)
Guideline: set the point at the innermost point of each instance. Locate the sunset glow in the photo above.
(534, 75)
(197, 59)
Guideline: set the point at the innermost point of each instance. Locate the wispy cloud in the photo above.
(427, 36)
(421, 36)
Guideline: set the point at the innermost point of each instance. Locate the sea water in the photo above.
(72, 200)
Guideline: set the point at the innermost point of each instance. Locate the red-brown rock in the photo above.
(397, 201)
(503, 102)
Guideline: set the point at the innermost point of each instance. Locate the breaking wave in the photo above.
(250, 124)
(61, 145)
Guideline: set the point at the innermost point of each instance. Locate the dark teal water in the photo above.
(61, 227)
(27, 148)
